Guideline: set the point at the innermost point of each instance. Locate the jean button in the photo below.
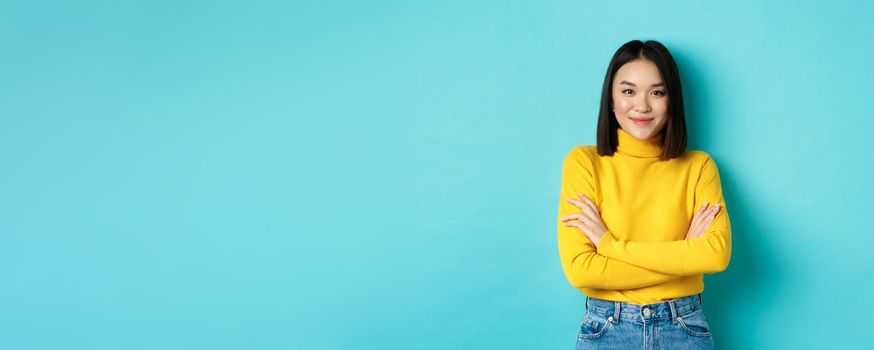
(647, 312)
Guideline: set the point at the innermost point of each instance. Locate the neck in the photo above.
(630, 145)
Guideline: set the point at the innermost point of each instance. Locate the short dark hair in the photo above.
(675, 138)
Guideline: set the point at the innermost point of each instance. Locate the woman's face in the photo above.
(640, 99)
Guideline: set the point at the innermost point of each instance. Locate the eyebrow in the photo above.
(632, 84)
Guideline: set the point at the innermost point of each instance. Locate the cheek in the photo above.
(661, 104)
(621, 105)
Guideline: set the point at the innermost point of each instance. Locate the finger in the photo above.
(585, 223)
(577, 203)
(701, 210)
(706, 208)
(583, 228)
(706, 224)
(594, 213)
(714, 210)
(708, 220)
(587, 210)
(695, 230)
(572, 216)
(576, 224)
(696, 227)
(589, 201)
(696, 218)
(699, 222)
(700, 229)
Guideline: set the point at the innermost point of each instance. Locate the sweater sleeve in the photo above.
(583, 266)
(709, 253)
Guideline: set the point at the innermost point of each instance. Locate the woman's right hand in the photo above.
(702, 220)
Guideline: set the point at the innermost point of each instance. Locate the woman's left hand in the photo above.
(589, 221)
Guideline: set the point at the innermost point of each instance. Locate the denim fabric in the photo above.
(673, 324)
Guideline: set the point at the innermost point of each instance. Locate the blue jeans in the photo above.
(673, 324)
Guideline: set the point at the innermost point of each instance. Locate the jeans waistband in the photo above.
(667, 310)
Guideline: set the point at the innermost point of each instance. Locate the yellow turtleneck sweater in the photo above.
(647, 206)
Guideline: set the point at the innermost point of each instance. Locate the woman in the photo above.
(641, 219)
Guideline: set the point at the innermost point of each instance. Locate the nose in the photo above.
(642, 105)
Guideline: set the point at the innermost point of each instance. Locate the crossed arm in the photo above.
(593, 257)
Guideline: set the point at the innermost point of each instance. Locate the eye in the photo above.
(659, 93)
(628, 91)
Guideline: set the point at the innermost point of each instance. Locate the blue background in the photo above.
(373, 175)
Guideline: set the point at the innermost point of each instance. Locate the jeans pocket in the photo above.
(695, 323)
(593, 326)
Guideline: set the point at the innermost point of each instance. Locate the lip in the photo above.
(641, 121)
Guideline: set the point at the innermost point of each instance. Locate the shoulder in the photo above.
(580, 158)
(697, 157)
(582, 152)
(702, 163)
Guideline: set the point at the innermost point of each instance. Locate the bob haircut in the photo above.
(675, 135)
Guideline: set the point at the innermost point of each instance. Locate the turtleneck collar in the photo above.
(630, 145)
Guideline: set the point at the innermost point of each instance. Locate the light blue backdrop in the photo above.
(385, 175)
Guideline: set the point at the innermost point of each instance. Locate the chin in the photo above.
(645, 134)
(639, 133)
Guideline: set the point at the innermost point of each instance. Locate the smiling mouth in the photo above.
(641, 122)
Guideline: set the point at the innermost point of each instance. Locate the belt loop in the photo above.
(616, 312)
(673, 310)
(587, 302)
(700, 299)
